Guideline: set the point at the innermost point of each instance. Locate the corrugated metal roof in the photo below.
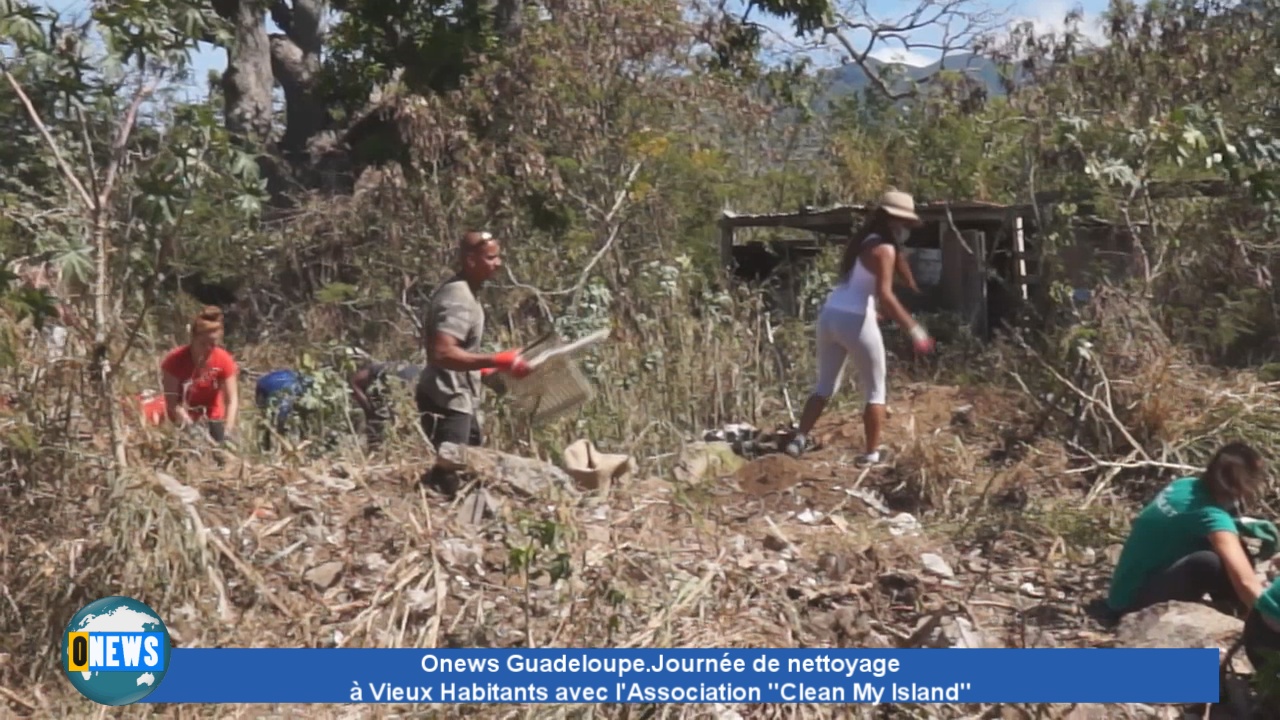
(843, 215)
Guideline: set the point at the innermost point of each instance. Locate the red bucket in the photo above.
(153, 410)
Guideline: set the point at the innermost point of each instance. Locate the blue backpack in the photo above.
(287, 385)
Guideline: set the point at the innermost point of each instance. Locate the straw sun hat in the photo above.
(900, 205)
(592, 469)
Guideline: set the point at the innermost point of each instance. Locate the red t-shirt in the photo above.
(202, 394)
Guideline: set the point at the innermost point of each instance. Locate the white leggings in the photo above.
(843, 333)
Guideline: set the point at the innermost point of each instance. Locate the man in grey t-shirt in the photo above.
(449, 390)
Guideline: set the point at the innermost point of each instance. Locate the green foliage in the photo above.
(613, 135)
(162, 33)
(179, 167)
(429, 45)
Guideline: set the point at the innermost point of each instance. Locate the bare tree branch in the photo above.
(614, 226)
(67, 174)
(941, 26)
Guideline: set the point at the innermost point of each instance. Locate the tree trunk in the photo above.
(247, 82)
(295, 62)
(508, 16)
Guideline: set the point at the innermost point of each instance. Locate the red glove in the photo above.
(486, 372)
(510, 362)
(921, 341)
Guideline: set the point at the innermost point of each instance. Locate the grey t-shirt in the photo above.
(454, 310)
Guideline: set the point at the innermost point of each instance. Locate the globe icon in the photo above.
(116, 614)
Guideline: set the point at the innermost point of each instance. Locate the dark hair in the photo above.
(877, 223)
(1236, 472)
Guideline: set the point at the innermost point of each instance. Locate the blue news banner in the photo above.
(588, 675)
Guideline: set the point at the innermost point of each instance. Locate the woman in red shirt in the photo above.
(200, 379)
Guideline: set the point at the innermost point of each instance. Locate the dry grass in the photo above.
(783, 554)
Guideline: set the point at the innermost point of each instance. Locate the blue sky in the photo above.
(1046, 14)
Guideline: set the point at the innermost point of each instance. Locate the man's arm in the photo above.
(454, 317)
(444, 351)
(359, 381)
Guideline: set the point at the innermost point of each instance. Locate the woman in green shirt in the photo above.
(1185, 544)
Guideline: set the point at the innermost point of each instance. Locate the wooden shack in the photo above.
(969, 258)
(980, 261)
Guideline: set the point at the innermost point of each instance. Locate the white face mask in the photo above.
(901, 233)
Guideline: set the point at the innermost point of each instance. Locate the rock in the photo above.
(950, 632)
(832, 565)
(775, 542)
(1183, 625)
(937, 566)
(477, 507)
(299, 502)
(1126, 711)
(375, 562)
(706, 460)
(900, 587)
(960, 633)
(458, 553)
(530, 477)
(324, 576)
(724, 712)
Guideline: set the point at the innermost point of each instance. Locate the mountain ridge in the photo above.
(851, 78)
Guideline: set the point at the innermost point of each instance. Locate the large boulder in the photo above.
(528, 477)
(1183, 625)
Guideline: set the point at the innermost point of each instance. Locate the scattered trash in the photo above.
(873, 499)
(745, 440)
(594, 470)
(731, 433)
(809, 517)
(903, 524)
(700, 461)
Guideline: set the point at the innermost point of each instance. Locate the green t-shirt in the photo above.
(1168, 529)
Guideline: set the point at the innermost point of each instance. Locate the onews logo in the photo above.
(115, 651)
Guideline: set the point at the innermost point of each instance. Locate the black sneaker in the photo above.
(799, 445)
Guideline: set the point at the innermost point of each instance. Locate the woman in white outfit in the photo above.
(848, 322)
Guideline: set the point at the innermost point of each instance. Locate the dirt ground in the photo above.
(953, 544)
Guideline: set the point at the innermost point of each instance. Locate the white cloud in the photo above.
(1050, 17)
(899, 55)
